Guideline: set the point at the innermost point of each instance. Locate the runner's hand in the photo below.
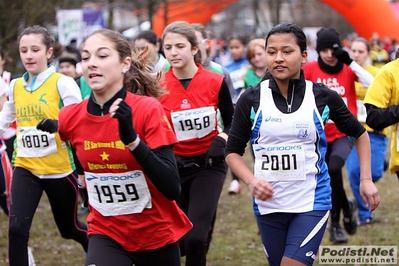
(123, 112)
(342, 56)
(215, 153)
(261, 189)
(369, 194)
(48, 125)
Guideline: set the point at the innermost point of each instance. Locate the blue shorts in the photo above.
(293, 235)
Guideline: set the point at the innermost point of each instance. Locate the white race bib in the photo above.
(118, 194)
(361, 111)
(280, 162)
(35, 143)
(237, 78)
(194, 123)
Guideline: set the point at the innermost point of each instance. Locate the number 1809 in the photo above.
(35, 141)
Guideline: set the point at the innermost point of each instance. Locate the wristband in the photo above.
(132, 145)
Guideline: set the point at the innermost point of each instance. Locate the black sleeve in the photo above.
(160, 167)
(225, 106)
(344, 120)
(78, 166)
(380, 118)
(240, 131)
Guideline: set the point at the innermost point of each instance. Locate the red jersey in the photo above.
(343, 83)
(106, 160)
(192, 111)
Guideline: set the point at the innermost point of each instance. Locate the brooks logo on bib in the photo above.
(194, 123)
(35, 143)
(118, 193)
(279, 163)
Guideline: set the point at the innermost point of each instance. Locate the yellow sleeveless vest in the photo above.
(31, 107)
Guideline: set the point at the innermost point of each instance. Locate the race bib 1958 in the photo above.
(194, 123)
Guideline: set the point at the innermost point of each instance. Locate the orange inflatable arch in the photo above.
(365, 16)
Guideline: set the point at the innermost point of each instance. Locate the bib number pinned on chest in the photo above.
(118, 194)
(279, 163)
(194, 123)
(237, 78)
(35, 143)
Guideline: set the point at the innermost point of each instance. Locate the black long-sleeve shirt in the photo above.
(380, 118)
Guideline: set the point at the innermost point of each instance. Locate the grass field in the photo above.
(235, 240)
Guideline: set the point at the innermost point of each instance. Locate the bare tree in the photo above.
(18, 14)
(313, 13)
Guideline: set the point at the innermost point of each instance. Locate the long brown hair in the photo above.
(140, 78)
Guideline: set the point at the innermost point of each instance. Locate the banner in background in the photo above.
(77, 24)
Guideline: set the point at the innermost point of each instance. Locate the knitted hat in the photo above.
(67, 59)
(327, 38)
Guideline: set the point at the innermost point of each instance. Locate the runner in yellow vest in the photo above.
(42, 161)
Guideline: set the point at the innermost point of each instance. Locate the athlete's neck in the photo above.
(186, 72)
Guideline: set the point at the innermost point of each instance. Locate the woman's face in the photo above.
(359, 52)
(259, 59)
(101, 66)
(68, 69)
(284, 57)
(237, 49)
(34, 54)
(178, 50)
(326, 55)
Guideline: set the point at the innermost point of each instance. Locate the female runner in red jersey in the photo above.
(194, 95)
(124, 143)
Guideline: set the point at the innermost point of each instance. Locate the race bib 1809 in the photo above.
(32, 142)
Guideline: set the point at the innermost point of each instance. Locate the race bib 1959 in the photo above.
(32, 142)
(279, 162)
(194, 123)
(118, 193)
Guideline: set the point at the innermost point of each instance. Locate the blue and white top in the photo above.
(293, 159)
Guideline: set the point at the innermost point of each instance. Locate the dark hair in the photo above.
(363, 40)
(185, 29)
(48, 40)
(148, 35)
(289, 28)
(283, 28)
(68, 59)
(242, 37)
(138, 79)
